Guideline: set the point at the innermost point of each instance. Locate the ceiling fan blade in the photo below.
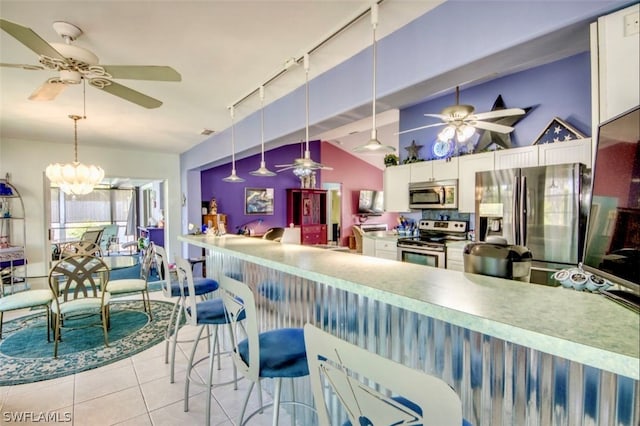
(420, 128)
(125, 93)
(440, 116)
(143, 72)
(492, 127)
(30, 39)
(48, 91)
(498, 113)
(23, 66)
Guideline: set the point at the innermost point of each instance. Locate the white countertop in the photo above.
(579, 326)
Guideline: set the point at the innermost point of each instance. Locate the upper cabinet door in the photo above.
(516, 157)
(427, 171)
(575, 151)
(396, 188)
(468, 166)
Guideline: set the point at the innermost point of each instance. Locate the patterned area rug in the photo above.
(26, 356)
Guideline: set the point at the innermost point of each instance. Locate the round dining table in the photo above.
(120, 262)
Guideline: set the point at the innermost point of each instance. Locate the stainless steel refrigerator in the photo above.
(542, 208)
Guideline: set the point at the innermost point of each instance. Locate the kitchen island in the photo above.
(516, 353)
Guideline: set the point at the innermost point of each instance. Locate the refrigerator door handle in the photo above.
(523, 211)
(516, 211)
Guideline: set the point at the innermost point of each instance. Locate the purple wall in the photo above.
(230, 196)
(560, 89)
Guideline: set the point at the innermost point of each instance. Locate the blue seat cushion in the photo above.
(410, 405)
(212, 312)
(200, 285)
(282, 353)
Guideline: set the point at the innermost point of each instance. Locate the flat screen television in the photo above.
(612, 243)
(370, 202)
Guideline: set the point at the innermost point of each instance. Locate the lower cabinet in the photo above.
(313, 234)
(455, 259)
(386, 249)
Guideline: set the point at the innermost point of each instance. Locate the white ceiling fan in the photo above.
(75, 63)
(460, 121)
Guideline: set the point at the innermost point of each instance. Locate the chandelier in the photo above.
(75, 178)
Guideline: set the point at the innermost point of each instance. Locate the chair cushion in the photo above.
(126, 285)
(212, 312)
(282, 353)
(200, 285)
(82, 304)
(25, 299)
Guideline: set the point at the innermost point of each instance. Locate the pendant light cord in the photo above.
(374, 24)
(262, 120)
(306, 91)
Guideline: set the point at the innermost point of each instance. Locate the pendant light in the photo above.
(374, 145)
(305, 166)
(233, 177)
(75, 178)
(262, 171)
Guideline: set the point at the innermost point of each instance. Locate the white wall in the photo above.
(26, 161)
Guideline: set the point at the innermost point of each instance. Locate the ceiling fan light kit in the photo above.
(305, 166)
(75, 63)
(75, 178)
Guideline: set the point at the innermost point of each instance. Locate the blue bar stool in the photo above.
(207, 315)
(172, 289)
(274, 354)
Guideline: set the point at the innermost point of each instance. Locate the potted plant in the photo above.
(391, 160)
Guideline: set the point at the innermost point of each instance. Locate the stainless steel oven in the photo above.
(428, 249)
(421, 255)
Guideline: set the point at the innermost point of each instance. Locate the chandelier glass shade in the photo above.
(75, 178)
(374, 145)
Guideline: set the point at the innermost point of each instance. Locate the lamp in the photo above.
(262, 171)
(305, 166)
(75, 178)
(233, 177)
(374, 145)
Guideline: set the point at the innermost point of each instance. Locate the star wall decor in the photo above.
(501, 139)
(413, 151)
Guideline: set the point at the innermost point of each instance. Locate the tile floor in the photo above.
(134, 391)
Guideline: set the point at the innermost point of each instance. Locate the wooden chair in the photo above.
(357, 233)
(74, 282)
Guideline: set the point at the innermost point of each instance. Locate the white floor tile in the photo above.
(92, 384)
(110, 409)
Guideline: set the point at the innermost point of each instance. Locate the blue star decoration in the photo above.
(413, 151)
(487, 138)
(558, 131)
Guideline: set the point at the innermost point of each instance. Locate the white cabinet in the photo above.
(516, 157)
(396, 188)
(468, 166)
(386, 249)
(618, 62)
(455, 259)
(575, 151)
(426, 171)
(368, 246)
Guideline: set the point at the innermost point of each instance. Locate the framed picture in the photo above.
(558, 131)
(258, 201)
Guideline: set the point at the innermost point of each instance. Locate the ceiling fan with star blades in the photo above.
(74, 63)
(461, 121)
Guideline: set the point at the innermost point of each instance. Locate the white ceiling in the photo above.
(224, 50)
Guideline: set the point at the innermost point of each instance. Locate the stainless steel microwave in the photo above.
(434, 195)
